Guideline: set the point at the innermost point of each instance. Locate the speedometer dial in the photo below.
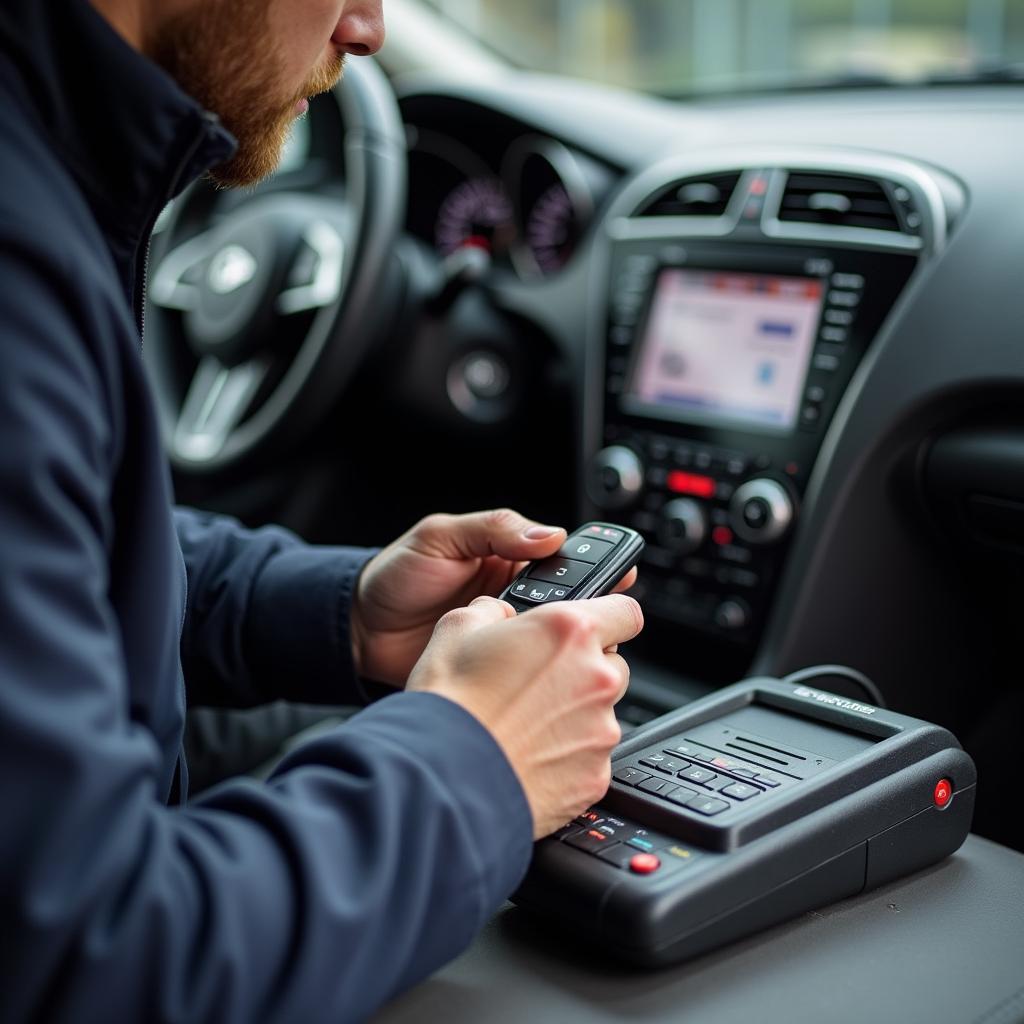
(477, 212)
(553, 229)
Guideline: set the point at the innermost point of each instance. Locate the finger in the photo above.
(481, 612)
(622, 667)
(616, 618)
(500, 532)
(626, 582)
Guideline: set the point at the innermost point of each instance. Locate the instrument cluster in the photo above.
(530, 209)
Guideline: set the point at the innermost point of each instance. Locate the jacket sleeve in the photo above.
(366, 861)
(267, 615)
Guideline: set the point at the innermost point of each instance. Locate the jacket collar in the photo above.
(130, 136)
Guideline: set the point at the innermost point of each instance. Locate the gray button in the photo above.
(562, 571)
(716, 785)
(841, 280)
(740, 791)
(585, 549)
(631, 776)
(698, 775)
(683, 796)
(660, 786)
(708, 806)
(530, 590)
(838, 317)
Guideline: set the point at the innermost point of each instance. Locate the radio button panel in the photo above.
(717, 501)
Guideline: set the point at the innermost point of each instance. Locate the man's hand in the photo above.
(443, 562)
(544, 684)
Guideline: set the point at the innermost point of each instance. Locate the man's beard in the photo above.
(222, 54)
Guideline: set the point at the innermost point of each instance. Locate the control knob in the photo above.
(732, 614)
(684, 525)
(616, 477)
(761, 511)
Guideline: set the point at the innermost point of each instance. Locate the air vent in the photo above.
(695, 197)
(838, 200)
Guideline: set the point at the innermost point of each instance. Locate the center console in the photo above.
(732, 309)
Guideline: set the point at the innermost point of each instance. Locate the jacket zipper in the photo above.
(142, 274)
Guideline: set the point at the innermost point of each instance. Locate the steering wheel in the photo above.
(262, 306)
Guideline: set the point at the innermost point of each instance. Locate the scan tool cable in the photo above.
(805, 675)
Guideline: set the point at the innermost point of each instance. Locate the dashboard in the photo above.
(779, 335)
(771, 312)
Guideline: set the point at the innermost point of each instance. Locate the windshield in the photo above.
(678, 47)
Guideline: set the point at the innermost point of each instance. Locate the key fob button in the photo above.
(585, 549)
(563, 572)
(531, 590)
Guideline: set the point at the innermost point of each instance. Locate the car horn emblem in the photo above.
(232, 267)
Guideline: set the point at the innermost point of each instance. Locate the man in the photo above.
(375, 851)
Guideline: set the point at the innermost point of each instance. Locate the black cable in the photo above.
(844, 672)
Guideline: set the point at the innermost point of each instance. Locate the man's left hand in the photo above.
(443, 562)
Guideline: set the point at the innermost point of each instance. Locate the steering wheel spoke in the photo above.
(169, 287)
(319, 265)
(215, 404)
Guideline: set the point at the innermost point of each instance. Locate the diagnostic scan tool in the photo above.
(747, 807)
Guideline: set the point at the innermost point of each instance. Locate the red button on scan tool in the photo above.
(644, 864)
(943, 793)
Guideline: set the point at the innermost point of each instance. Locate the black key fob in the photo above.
(594, 558)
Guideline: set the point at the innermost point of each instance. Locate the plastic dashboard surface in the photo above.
(944, 945)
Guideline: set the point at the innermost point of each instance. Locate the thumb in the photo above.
(481, 612)
(490, 609)
(500, 532)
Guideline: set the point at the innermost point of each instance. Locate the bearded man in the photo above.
(375, 851)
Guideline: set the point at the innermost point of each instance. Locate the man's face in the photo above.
(255, 62)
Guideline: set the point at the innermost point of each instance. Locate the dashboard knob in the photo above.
(616, 477)
(732, 614)
(684, 525)
(761, 511)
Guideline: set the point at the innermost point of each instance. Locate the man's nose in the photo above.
(360, 29)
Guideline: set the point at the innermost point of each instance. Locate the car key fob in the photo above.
(594, 558)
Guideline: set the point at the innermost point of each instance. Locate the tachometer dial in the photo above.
(553, 229)
(553, 201)
(479, 212)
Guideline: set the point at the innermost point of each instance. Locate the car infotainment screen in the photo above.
(725, 348)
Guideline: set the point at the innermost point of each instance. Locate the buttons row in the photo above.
(696, 775)
(552, 579)
(691, 799)
(723, 763)
(842, 301)
(624, 845)
(672, 452)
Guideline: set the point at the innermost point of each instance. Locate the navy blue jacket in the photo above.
(376, 851)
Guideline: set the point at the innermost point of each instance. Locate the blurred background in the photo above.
(682, 47)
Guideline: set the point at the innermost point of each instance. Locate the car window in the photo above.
(677, 47)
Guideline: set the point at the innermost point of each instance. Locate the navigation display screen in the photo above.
(725, 347)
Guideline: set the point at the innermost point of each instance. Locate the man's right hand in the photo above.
(544, 684)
